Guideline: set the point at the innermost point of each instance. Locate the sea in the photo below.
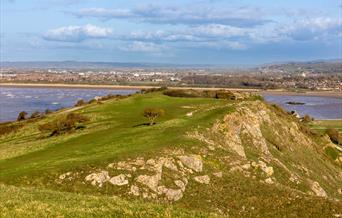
(16, 99)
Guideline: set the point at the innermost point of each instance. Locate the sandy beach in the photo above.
(90, 86)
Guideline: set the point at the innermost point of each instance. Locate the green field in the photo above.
(31, 161)
(322, 125)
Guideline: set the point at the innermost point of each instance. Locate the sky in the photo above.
(223, 32)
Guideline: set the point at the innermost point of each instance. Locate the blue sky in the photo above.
(234, 32)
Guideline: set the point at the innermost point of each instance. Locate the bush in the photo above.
(48, 111)
(188, 93)
(67, 124)
(92, 101)
(307, 119)
(145, 91)
(80, 103)
(225, 95)
(334, 135)
(22, 116)
(35, 114)
(153, 113)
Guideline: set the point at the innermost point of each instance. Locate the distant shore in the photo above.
(136, 87)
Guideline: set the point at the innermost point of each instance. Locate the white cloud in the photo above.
(138, 46)
(77, 33)
(194, 15)
(315, 28)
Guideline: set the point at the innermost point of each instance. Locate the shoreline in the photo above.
(280, 92)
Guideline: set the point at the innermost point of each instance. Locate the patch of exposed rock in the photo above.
(150, 185)
(317, 189)
(202, 179)
(193, 162)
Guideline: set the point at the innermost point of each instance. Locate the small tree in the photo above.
(153, 113)
(333, 135)
(22, 116)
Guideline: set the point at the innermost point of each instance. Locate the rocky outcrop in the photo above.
(317, 189)
(98, 178)
(193, 162)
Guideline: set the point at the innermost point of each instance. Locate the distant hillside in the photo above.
(212, 154)
(327, 66)
(89, 65)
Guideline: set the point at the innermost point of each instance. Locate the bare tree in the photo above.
(153, 113)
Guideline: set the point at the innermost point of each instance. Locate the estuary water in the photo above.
(318, 107)
(14, 100)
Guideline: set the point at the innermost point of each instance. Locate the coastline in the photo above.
(136, 87)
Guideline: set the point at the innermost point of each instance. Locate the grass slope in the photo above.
(31, 161)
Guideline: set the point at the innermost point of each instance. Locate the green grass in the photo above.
(115, 132)
(322, 125)
(30, 162)
(30, 202)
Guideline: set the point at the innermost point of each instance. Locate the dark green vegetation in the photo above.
(31, 162)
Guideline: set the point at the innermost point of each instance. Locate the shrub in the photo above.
(221, 94)
(36, 114)
(92, 101)
(153, 113)
(67, 124)
(22, 116)
(145, 91)
(307, 119)
(48, 111)
(334, 135)
(188, 93)
(80, 102)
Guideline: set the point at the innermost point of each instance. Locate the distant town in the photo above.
(311, 76)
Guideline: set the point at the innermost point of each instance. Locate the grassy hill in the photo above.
(205, 157)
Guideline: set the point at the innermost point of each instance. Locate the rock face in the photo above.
(193, 162)
(98, 178)
(202, 179)
(119, 180)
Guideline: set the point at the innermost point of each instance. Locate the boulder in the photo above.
(173, 194)
(135, 190)
(218, 174)
(202, 179)
(98, 178)
(150, 181)
(193, 162)
(119, 180)
(318, 190)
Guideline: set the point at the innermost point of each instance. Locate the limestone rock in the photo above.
(180, 184)
(135, 190)
(193, 162)
(173, 194)
(202, 179)
(218, 174)
(150, 181)
(268, 170)
(119, 180)
(318, 190)
(65, 175)
(98, 178)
